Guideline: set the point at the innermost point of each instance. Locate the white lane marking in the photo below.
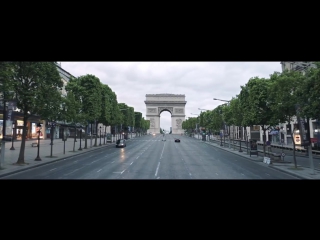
(157, 169)
(242, 174)
(112, 162)
(268, 174)
(53, 169)
(137, 157)
(99, 170)
(162, 150)
(72, 172)
(94, 161)
(75, 161)
(131, 163)
(217, 173)
(123, 171)
(116, 172)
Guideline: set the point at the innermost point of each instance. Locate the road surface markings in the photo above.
(123, 171)
(131, 163)
(94, 161)
(158, 177)
(53, 169)
(112, 162)
(268, 174)
(137, 157)
(162, 150)
(99, 170)
(242, 174)
(75, 161)
(217, 173)
(157, 169)
(72, 172)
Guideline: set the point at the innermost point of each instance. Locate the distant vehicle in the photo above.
(153, 134)
(176, 140)
(121, 143)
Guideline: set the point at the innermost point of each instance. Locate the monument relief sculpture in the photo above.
(179, 123)
(152, 123)
(179, 110)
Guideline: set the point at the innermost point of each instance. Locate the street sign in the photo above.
(283, 154)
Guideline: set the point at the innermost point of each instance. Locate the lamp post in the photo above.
(224, 126)
(39, 130)
(196, 124)
(4, 125)
(13, 128)
(52, 126)
(100, 137)
(105, 133)
(80, 137)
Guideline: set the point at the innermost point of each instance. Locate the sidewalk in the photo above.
(302, 171)
(9, 165)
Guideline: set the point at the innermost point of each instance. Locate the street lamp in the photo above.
(13, 128)
(100, 137)
(39, 130)
(122, 109)
(196, 124)
(52, 125)
(221, 100)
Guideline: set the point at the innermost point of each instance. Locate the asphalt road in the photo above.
(149, 157)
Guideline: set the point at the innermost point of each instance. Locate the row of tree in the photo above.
(37, 89)
(267, 102)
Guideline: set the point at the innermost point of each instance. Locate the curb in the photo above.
(273, 167)
(289, 173)
(45, 163)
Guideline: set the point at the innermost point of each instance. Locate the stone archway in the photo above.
(173, 103)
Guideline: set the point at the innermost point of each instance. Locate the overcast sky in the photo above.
(200, 82)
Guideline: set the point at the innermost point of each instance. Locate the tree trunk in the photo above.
(105, 132)
(74, 142)
(51, 140)
(264, 141)
(96, 138)
(23, 140)
(294, 150)
(86, 137)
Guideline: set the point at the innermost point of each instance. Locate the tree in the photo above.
(256, 108)
(32, 81)
(106, 108)
(91, 99)
(284, 91)
(237, 114)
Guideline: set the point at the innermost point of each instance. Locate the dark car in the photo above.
(177, 140)
(121, 143)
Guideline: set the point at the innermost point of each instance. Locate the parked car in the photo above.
(121, 143)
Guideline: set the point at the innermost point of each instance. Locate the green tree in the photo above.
(106, 108)
(283, 96)
(91, 100)
(35, 84)
(256, 105)
(74, 112)
(237, 114)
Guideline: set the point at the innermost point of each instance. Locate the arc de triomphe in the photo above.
(173, 103)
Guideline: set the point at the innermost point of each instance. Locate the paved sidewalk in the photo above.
(9, 165)
(287, 166)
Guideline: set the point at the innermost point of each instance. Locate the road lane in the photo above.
(149, 157)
